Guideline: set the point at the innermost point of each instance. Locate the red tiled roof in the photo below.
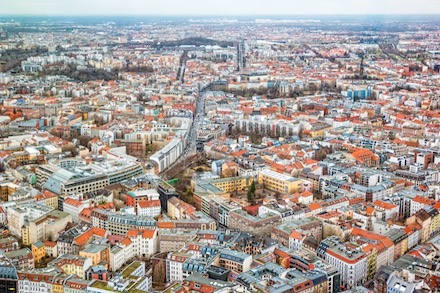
(369, 211)
(141, 232)
(72, 202)
(84, 238)
(384, 205)
(50, 243)
(315, 206)
(296, 235)
(422, 200)
(149, 204)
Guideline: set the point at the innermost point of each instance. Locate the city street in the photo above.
(190, 147)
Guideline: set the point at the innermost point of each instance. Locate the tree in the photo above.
(392, 135)
(84, 140)
(99, 120)
(70, 148)
(250, 196)
(253, 188)
(159, 273)
(251, 192)
(188, 195)
(227, 173)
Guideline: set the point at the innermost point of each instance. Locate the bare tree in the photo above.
(159, 273)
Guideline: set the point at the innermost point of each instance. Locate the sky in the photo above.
(217, 7)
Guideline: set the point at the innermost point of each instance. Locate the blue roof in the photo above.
(71, 117)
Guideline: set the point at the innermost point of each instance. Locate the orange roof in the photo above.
(45, 194)
(149, 204)
(252, 209)
(86, 213)
(385, 205)
(329, 215)
(315, 206)
(411, 228)
(373, 236)
(422, 200)
(408, 143)
(277, 167)
(85, 237)
(369, 210)
(310, 161)
(165, 225)
(297, 165)
(281, 253)
(72, 202)
(368, 248)
(141, 232)
(50, 243)
(306, 194)
(399, 181)
(240, 153)
(126, 241)
(361, 154)
(39, 197)
(99, 231)
(296, 235)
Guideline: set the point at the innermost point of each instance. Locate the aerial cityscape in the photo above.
(232, 146)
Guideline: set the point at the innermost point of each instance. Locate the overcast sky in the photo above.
(216, 7)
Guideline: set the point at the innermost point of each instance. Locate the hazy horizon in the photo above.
(218, 8)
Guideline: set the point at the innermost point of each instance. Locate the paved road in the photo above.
(240, 55)
(182, 68)
(190, 149)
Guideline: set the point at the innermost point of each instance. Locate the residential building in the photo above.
(72, 265)
(175, 261)
(22, 259)
(18, 216)
(144, 242)
(38, 251)
(242, 221)
(8, 275)
(135, 197)
(133, 278)
(119, 224)
(235, 261)
(279, 182)
(348, 258)
(45, 227)
(99, 254)
(8, 243)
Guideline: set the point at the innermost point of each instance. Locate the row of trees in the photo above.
(90, 74)
(70, 70)
(9, 59)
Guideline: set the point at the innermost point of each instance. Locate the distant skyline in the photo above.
(212, 7)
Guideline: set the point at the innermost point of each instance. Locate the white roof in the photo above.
(278, 176)
(31, 150)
